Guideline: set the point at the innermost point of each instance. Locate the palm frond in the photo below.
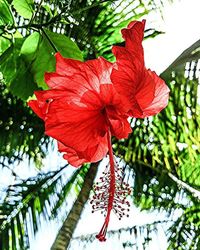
(30, 200)
(21, 133)
(184, 233)
(191, 54)
(191, 174)
(135, 237)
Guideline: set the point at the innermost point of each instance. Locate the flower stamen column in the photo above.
(110, 192)
(102, 233)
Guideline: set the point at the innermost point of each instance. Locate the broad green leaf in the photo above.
(9, 56)
(4, 45)
(16, 71)
(23, 84)
(65, 45)
(30, 46)
(38, 52)
(8, 61)
(24, 7)
(6, 17)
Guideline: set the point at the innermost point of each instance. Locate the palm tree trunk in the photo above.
(66, 231)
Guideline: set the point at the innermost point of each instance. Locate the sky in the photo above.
(181, 26)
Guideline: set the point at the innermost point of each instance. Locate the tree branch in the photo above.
(53, 20)
(92, 237)
(193, 191)
(182, 184)
(65, 233)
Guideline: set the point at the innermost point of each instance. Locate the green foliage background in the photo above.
(162, 153)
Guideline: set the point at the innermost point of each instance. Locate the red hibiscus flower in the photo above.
(80, 108)
(143, 89)
(83, 108)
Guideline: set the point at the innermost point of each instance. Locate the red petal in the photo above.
(127, 74)
(55, 81)
(78, 76)
(120, 128)
(101, 68)
(40, 107)
(129, 60)
(133, 35)
(65, 66)
(78, 82)
(145, 91)
(152, 95)
(91, 154)
(71, 155)
(54, 94)
(116, 108)
(74, 125)
(35, 107)
(108, 95)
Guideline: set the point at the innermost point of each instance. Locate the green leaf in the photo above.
(38, 52)
(23, 84)
(22, 72)
(4, 45)
(30, 46)
(65, 45)
(16, 71)
(6, 17)
(24, 7)
(8, 61)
